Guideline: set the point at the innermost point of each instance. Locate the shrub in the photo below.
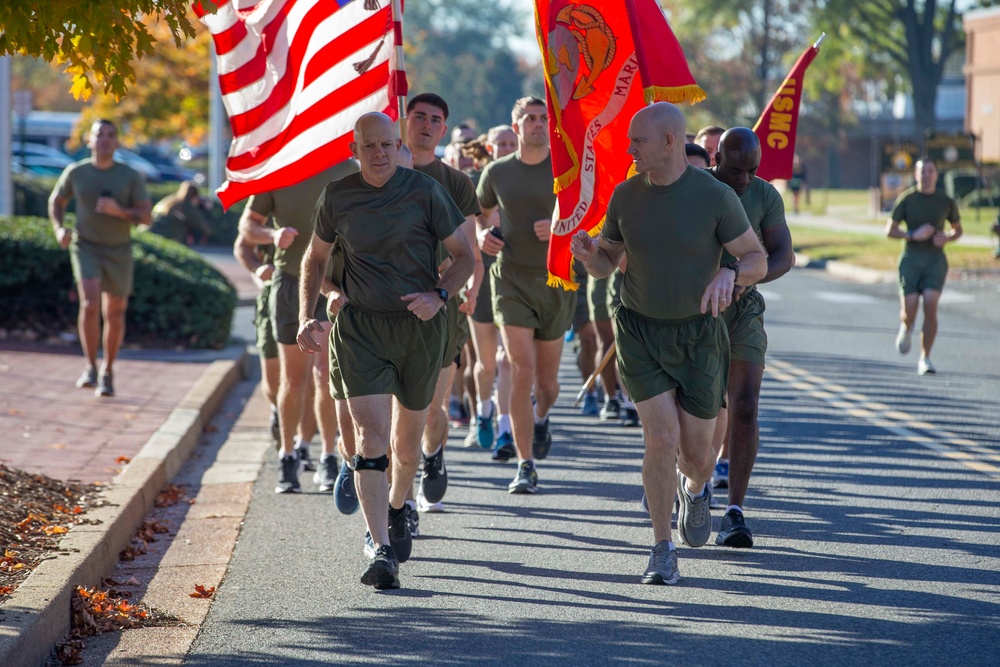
(178, 298)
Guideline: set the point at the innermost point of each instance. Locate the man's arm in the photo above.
(57, 211)
(599, 256)
(310, 280)
(476, 279)
(253, 226)
(246, 255)
(486, 240)
(140, 214)
(780, 253)
(955, 233)
(750, 268)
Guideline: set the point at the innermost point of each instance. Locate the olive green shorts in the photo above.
(386, 353)
(458, 333)
(598, 298)
(111, 263)
(525, 300)
(267, 346)
(484, 301)
(745, 323)
(692, 356)
(284, 308)
(922, 271)
(581, 314)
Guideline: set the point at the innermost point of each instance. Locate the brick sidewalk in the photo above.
(47, 425)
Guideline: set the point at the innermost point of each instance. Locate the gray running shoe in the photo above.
(662, 568)
(288, 482)
(433, 479)
(399, 532)
(105, 387)
(694, 520)
(526, 480)
(326, 477)
(383, 570)
(733, 531)
(344, 493)
(88, 380)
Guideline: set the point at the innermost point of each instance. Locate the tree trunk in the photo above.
(925, 89)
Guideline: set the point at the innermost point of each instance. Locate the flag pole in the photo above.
(397, 45)
(819, 41)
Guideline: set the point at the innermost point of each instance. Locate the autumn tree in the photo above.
(98, 41)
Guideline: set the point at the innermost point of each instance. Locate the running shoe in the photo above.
(611, 409)
(105, 387)
(305, 460)
(414, 518)
(399, 532)
(904, 339)
(526, 480)
(504, 450)
(423, 505)
(694, 520)
(383, 570)
(733, 531)
(326, 477)
(629, 417)
(344, 494)
(591, 407)
(88, 380)
(662, 568)
(275, 426)
(288, 482)
(369, 548)
(924, 367)
(541, 443)
(484, 432)
(434, 478)
(720, 476)
(457, 414)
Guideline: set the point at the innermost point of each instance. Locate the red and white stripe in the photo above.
(290, 86)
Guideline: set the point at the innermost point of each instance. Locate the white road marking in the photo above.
(845, 297)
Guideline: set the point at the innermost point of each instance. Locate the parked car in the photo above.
(168, 168)
(130, 158)
(39, 165)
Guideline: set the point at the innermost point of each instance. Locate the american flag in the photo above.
(295, 75)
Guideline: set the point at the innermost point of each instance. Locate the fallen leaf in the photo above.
(122, 460)
(16, 412)
(6, 590)
(203, 592)
(130, 415)
(131, 581)
(56, 445)
(55, 530)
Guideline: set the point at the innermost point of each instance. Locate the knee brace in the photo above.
(378, 464)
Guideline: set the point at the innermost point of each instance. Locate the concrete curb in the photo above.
(37, 615)
(846, 271)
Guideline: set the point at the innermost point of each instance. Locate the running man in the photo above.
(532, 316)
(923, 266)
(736, 166)
(673, 351)
(388, 339)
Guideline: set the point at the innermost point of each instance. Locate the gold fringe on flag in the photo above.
(691, 94)
(568, 285)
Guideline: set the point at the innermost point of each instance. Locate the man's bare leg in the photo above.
(372, 426)
(114, 327)
(519, 342)
(89, 317)
(744, 433)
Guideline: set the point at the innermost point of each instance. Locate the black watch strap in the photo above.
(735, 269)
(442, 292)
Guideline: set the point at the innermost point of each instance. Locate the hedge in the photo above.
(178, 298)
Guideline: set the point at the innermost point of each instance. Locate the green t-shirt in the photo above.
(917, 209)
(389, 235)
(293, 207)
(179, 220)
(84, 183)
(524, 194)
(458, 185)
(673, 236)
(764, 208)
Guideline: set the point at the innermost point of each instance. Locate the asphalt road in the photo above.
(875, 506)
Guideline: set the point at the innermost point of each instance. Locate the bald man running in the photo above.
(673, 349)
(388, 338)
(736, 166)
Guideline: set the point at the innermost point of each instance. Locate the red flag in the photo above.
(603, 61)
(295, 75)
(777, 126)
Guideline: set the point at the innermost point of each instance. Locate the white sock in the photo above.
(626, 403)
(503, 423)
(484, 410)
(539, 420)
(692, 496)
(735, 507)
(434, 453)
(300, 443)
(671, 547)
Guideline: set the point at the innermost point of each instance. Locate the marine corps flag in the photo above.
(777, 126)
(603, 62)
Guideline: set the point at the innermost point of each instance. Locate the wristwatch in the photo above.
(442, 292)
(735, 269)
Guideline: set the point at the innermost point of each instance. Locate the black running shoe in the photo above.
(733, 531)
(542, 441)
(433, 479)
(105, 387)
(629, 417)
(399, 532)
(88, 380)
(610, 410)
(288, 482)
(383, 570)
(302, 451)
(504, 450)
(526, 480)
